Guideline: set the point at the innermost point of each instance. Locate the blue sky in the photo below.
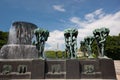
(43, 14)
(57, 15)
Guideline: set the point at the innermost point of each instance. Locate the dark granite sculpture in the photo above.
(41, 36)
(21, 33)
(20, 42)
(71, 42)
(100, 37)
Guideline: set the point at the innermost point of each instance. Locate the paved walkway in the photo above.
(117, 68)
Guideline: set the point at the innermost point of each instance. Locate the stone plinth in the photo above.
(90, 69)
(72, 69)
(38, 69)
(107, 68)
(55, 69)
(22, 69)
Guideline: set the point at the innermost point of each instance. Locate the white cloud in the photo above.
(95, 20)
(56, 38)
(59, 8)
(86, 26)
(91, 17)
(77, 21)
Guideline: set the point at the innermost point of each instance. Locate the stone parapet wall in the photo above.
(57, 69)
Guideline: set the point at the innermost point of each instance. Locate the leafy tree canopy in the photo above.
(3, 38)
(112, 47)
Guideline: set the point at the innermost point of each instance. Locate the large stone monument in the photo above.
(20, 59)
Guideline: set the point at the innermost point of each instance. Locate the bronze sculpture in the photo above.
(41, 37)
(88, 42)
(71, 42)
(100, 37)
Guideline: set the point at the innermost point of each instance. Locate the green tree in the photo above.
(3, 38)
(50, 54)
(55, 54)
(112, 48)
